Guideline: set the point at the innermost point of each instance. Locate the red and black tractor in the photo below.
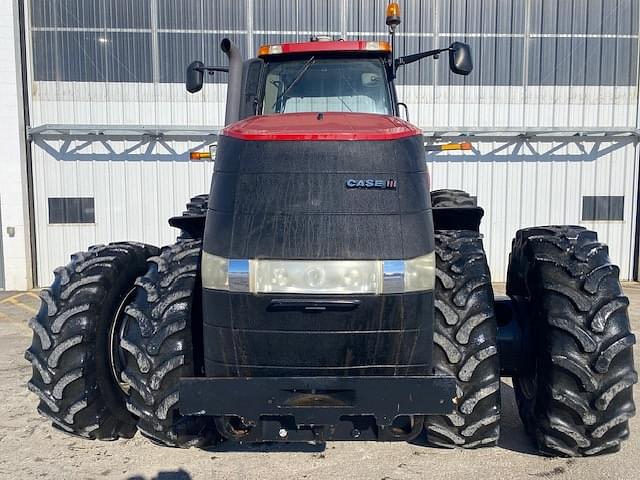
(321, 291)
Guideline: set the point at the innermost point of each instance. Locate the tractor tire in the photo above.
(197, 205)
(452, 198)
(73, 353)
(575, 399)
(159, 338)
(465, 332)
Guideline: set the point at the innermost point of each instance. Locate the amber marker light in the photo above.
(200, 155)
(449, 147)
(456, 146)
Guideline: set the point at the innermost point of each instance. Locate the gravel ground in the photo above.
(30, 448)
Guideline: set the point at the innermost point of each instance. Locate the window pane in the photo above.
(602, 208)
(92, 56)
(180, 14)
(486, 16)
(225, 15)
(279, 16)
(91, 13)
(319, 16)
(178, 50)
(71, 210)
(582, 61)
(496, 61)
(585, 16)
(368, 16)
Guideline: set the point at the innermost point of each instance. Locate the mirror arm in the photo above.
(399, 62)
(211, 70)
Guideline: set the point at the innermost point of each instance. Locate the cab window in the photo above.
(327, 85)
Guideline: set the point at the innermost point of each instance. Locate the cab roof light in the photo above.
(378, 46)
(270, 50)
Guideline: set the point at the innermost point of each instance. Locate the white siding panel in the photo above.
(542, 183)
(134, 197)
(520, 107)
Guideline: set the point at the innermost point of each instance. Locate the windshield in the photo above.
(327, 85)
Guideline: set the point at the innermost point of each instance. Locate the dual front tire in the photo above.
(159, 346)
(465, 344)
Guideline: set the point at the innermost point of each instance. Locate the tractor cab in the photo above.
(321, 75)
(325, 76)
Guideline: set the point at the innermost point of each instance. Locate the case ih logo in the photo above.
(372, 183)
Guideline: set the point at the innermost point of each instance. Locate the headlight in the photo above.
(420, 273)
(317, 276)
(216, 272)
(332, 277)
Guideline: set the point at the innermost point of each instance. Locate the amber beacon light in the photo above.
(393, 15)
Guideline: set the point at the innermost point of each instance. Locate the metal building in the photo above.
(551, 110)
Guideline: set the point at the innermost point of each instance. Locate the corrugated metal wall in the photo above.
(539, 64)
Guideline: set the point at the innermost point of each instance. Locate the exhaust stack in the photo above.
(234, 84)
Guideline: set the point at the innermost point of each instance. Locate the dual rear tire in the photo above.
(574, 393)
(575, 396)
(74, 353)
(111, 340)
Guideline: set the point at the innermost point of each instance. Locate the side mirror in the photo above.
(460, 61)
(250, 98)
(195, 77)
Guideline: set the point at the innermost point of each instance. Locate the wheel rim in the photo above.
(116, 355)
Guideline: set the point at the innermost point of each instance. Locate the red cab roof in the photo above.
(321, 127)
(324, 46)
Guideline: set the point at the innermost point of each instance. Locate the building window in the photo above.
(598, 208)
(71, 210)
(88, 56)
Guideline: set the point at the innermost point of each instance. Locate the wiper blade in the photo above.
(303, 70)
